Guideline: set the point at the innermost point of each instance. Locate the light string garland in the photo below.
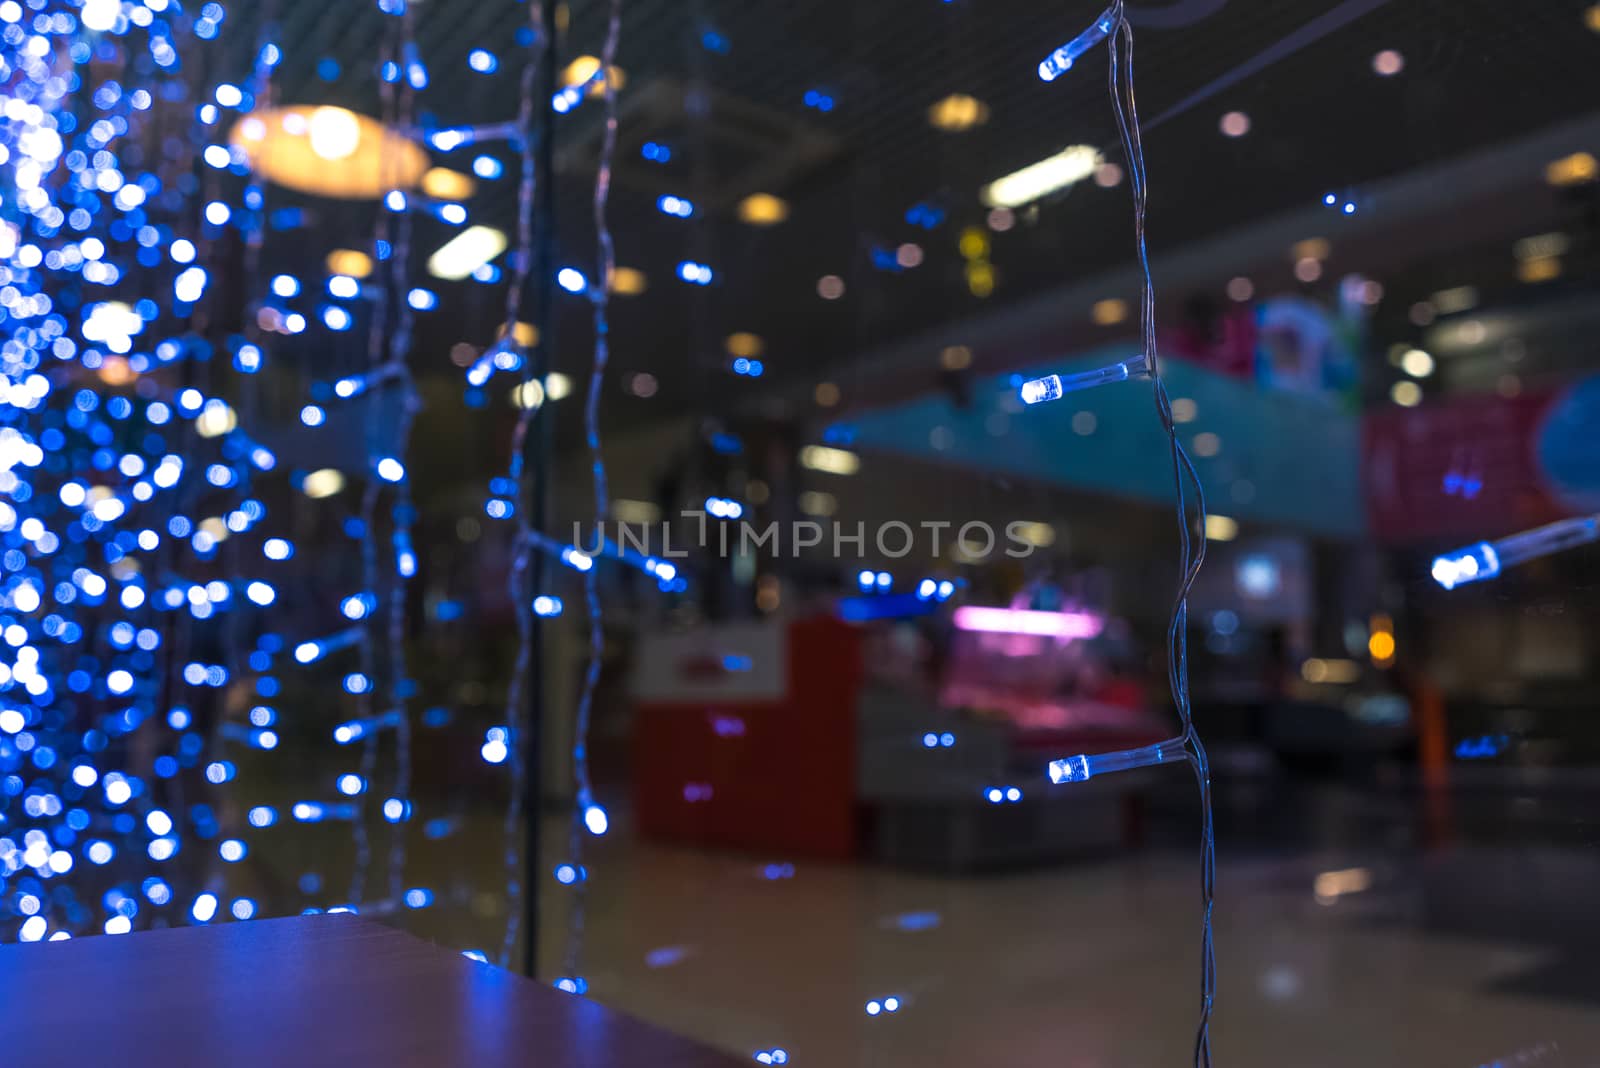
(248, 356)
(522, 566)
(377, 344)
(379, 608)
(205, 716)
(387, 350)
(588, 816)
(1113, 23)
(208, 718)
(393, 469)
(531, 543)
(247, 361)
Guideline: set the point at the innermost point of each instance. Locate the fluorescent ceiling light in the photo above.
(626, 511)
(1459, 299)
(814, 503)
(1039, 535)
(466, 252)
(831, 461)
(1542, 246)
(1040, 179)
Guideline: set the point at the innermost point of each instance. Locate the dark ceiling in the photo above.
(1476, 73)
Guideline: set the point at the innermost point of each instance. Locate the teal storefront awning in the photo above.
(1281, 457)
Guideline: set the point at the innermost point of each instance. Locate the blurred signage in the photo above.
(728, 662)
(1303, 348)
(1564, 446)
(1287, 343)
(1483, 465)
(1263, 581)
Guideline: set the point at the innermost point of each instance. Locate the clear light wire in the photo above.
(376, 344)
(386, 357)
(262, 88)
(1191, 534)
(195, 374)
(249, 406)
(591, 416)
(403, 516)
(516, 710)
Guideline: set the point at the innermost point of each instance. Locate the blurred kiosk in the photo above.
(746, 737)
(789, 740)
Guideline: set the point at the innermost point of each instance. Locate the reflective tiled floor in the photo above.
(1464, 955)
(1342, 938)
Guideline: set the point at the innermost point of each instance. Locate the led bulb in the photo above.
(1061, 60)
(1081, 768)
(1052, 387)
(1041, 389)
(1072, 769)
(1485, 560)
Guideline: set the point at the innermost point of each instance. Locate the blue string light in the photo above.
(589, 814)
(818, 99)
(675, 206)
(105, 546)
(1082, 768)
(1061, 60)
(1486, 559)
(521, 572)
(1053, 387)
(1113, 24)
(695, 273)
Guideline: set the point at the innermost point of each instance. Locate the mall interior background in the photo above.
(1375, 239)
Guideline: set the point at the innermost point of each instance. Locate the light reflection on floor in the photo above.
(1088, 966)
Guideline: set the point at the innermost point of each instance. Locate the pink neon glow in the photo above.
(1064, 625)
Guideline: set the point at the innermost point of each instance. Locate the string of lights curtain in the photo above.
(530, 543)
(130, 516)
(129, 497)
